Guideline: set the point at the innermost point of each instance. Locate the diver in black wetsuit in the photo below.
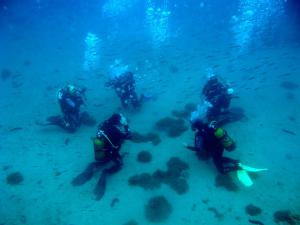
(107, 143)
(124, 85)
(218, 95)
(70, 98)
(212, 140)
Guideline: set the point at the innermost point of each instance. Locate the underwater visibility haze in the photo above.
(109, 113)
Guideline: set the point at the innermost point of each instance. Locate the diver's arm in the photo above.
(189, 147)
(70, 102)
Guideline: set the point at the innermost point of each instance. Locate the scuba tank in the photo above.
(99, 151)
(224, 138)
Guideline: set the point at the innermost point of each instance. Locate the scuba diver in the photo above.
(217, 95)
(211, 140)
(124, 85)
(70, 98)
(107, 144)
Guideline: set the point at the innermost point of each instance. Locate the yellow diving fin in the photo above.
(244, 178)
(243, 175)
(251, 169)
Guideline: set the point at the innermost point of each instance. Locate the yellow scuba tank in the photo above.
(224, 138)
(99, 151)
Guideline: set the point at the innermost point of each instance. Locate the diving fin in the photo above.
(85, 176)
(251, 169)
(100, 188)
(244, 178)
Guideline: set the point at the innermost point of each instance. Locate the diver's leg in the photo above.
(100, 188)
(124, 101)
(86, 175)
(136, 102)
(219, 163)
(117, 164)
(229, 164)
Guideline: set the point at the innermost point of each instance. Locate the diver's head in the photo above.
(230, 91)
(71, 89)
(115, 118)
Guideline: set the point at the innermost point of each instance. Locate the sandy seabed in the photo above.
(48, 163)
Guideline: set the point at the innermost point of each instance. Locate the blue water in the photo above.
(170, 46)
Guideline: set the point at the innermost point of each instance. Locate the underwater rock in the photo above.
(158, 209)
(165, 123)
(154, 138)
(179, 185)
(173, 127)
(186, 112)
(227, 182)
(288, 131)
(173, 177)
(290, 96)
(15, 178)
(173, 69)
(286, 216)
(289, 85)
(150, 137)
(14, 129)
(253, 210)
(180, 113)
(131, 222)
(114, 202)
(176, 166)
(177, 130)
(67, 141)
(5, 74)
(87, 119)
(138, 138)
(190, 107)
(144, 157)
(16, 84)
(144, 180)
(217, 214)
(27, 62)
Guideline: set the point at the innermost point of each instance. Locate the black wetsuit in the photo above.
(70, 107)
(206, 141)
(216, 93)
(113, 133)
(124, 86)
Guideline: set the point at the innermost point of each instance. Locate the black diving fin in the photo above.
(52, 120)
(85, 176)
(100, 188)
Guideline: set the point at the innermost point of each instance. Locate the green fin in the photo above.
(244, 178)
(251, 169)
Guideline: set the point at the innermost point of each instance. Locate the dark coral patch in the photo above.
(144, 180)
(144, 157)
(289, 85)
(227, 182)
(173, 127)
(5, 74)
(253, 210)
(286, 217)
(158, 209)
(150, 137)
(131, 222)
(173, 177)
(15, 178)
